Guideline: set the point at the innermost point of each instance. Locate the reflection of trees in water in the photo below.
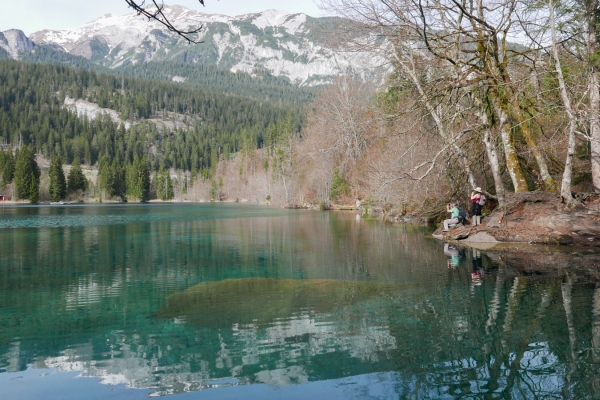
(96, 291)
(511, 339)
(520, 345)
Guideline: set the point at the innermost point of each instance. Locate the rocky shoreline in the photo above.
(533, 218)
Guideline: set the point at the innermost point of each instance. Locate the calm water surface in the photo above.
(230, 301)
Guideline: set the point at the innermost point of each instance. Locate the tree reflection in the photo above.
(208, 300)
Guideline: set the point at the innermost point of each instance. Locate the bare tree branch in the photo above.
(159, 16)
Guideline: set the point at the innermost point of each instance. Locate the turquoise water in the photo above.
(231, 301)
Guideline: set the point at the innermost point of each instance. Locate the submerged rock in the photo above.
(263, 300)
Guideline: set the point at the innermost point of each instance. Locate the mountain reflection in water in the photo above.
(225, 296)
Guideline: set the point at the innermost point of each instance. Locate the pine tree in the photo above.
(26, 171)
(34, 189)
(164, 185)
(117, 184)
(58, 184)
(7, 166)
(138, 179)
(76, 180)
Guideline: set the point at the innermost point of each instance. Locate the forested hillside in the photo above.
(206, 124)
(260, 85)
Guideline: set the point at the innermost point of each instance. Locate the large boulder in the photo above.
(542, 218)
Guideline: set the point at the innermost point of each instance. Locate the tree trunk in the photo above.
(512, 161)
(492, 155)
(549, 182)
(596, 324)
(565, 189)
(491, 152)
(596, 334)
(595, 126)
(568, 306)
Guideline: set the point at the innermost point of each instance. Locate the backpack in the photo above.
(462, 216)
(482, 200)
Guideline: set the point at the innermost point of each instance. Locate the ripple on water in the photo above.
(88, 215)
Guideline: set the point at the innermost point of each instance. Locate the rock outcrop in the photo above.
(535, 218)
(14, 41)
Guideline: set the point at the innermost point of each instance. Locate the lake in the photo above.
(227, 301)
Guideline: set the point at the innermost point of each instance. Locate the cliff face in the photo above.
(14, 41)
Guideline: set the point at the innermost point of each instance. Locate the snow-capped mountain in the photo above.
(281, 43)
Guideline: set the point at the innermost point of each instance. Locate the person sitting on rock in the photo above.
(454, 213)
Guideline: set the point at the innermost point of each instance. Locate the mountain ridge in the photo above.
(281, 43)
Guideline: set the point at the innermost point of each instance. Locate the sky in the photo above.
(34, 15)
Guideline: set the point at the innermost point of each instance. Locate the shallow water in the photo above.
(233, 301)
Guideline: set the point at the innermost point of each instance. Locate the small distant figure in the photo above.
(454, 214)
(477, 200)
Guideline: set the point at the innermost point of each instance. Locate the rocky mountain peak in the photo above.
(14, 41)
(275, 41)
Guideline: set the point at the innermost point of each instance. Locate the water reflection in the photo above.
(209, 300)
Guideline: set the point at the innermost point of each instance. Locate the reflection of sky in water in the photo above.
(248, 345)
(82, 296)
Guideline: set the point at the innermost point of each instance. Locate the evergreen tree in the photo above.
(104, 175)
(113, 179)
(7, 166)
(34, 189)
(138, 179)
(58, 184)
(119, 180)
(26, 171)
(164, 185)
(214, 191)
(76, 180)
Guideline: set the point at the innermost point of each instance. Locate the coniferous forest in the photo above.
(166, 125)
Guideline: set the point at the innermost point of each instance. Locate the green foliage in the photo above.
(339, 186)
(34, 189)
(138, 179)
(279, 146)
(214, 191)
(397, 89)
(58, 183)
(7, 166)
(260, 85)
(164, 185)
(76, 179)
(27, 173)
(112, 179)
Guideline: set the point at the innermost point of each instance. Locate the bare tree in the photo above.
(471, 41)
(565, 190)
